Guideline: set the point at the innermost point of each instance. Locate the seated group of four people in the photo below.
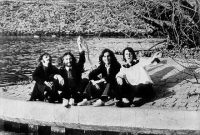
(107, 82)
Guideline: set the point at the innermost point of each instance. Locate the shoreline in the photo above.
(175, 90)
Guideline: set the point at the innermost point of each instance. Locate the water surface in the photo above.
(18, 55)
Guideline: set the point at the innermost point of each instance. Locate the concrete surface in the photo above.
(175, 86)
(99, 118)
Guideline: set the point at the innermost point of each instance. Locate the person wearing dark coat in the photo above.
(47, 80)
(72, 71)
(102, 79)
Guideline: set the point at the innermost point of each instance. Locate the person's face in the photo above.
(128, 56)
(67, 60)
(106, 58)
(45, 60)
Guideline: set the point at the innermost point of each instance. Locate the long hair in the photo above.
(73, 59)
(112, 56)
(41, 57)
(131, 51)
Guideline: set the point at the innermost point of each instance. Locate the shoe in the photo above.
(51, 100)
(60, 100)
(84, 102)
(71, 101)
(99, 102)
(65, 102)
(125, 100)
(111, 102)
(122, 104)
(93, 100)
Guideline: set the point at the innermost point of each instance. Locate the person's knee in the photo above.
(85, 81)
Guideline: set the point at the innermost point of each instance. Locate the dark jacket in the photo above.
(40, 75)
(77, 71)
(101, 70)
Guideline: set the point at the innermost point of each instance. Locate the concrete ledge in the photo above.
(100, 118)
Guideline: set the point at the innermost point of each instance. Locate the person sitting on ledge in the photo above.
(133, 80)
(102, 80)
(47, 80)
(72, 71)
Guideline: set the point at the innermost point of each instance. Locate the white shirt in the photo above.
(67, 68)
(107, 68)
(137, 73)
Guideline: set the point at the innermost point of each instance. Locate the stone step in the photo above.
(113, 119)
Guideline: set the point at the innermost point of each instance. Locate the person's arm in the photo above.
(81, 53)
(53, 72)
(56, 75)
(148, 61)
(93, 75)
(81, 59)
(121, 73)
(80, 43)
(113, 72)
(37, 76)
(120, 76)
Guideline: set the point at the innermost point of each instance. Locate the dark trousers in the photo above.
(75, 91)
(128, 91)
(105, 90)
(40, 89)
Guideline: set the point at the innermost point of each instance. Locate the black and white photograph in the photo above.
(100, 67)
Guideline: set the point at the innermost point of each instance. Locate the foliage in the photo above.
(178, 19)
(95, 17)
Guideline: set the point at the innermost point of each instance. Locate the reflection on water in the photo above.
(18, 55)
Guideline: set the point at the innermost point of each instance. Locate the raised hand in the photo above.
(80, 43)
(157, 55)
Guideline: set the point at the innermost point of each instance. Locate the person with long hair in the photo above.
(133, 80)
(102, 80)
(47, 77)
(71, 71)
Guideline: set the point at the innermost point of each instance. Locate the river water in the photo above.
(18, 55)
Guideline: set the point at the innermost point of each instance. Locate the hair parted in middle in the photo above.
(70, 54)
(112, 56)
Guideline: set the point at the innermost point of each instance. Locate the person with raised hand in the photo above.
(133, 80)
(72, 71)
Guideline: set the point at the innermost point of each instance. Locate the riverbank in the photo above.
(175, 88)
(175, 109)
